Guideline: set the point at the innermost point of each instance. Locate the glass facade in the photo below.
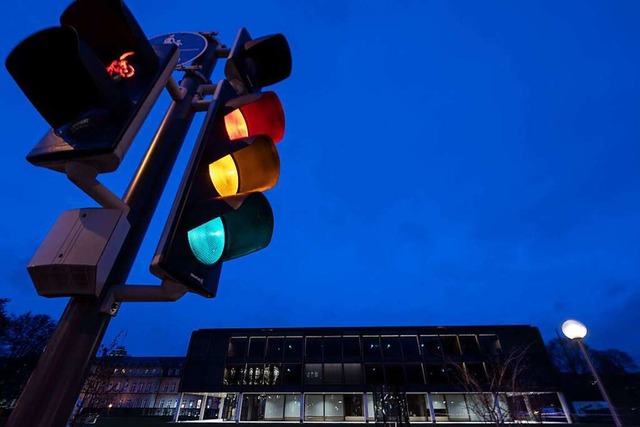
(370, 376)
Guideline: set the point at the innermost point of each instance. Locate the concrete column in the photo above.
(301, 407)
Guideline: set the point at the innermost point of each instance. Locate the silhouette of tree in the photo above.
(27, 334)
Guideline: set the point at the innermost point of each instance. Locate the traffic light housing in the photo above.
(220, 212)
(93, 79)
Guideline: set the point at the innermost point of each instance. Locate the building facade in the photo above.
(130, 386)
(370, 374)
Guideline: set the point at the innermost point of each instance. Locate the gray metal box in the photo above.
(77, 255)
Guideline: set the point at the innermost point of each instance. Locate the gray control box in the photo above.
(77, 255)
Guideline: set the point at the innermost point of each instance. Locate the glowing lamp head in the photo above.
(255, 114)
(253, 168)
(246, 228)
(207, 241)
(574, 329)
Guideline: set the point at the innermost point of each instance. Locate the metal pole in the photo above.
(50, 394)
(614, 414)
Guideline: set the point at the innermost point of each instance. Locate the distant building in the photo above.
(370, 374)
(131, 386)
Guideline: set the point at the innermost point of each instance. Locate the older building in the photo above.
(370, 374)
(126, 385)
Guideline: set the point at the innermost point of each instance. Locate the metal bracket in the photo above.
(83, 175)
(168, 290)
(176, 92)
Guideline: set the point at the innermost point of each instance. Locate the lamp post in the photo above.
(576, 331)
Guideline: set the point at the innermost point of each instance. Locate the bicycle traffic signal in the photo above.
(220, 212)
(93, 79)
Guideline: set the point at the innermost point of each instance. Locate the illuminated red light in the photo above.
(121, 66)
(262, 116)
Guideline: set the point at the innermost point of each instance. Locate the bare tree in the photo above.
(493, 394)
(96, 398)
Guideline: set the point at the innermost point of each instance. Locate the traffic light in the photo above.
(93, 79)
(220, 212)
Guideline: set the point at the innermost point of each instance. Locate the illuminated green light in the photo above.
(207, 241)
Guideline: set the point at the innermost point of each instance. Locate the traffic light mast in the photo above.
(94, 106)
(57, 380)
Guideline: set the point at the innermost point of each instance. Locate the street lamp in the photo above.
(576, 331)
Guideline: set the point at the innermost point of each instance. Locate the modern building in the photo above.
(370, 374)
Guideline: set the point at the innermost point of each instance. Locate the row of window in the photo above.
(470, 407)
(371, 347)
(145, 371)
(352, 373)
(140, 387)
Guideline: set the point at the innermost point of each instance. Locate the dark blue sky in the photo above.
(444, 163)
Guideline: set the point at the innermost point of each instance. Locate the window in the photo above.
(394, 374)
(292, 407)
(272, 374)
(333, 407)
(255, 376)
(141, 388)
(135, 403)
(374, 374)
(436, 373)
(456, 407)
(417, 407)
(371, 348)
(333, 373)
(133, 387)
(476, 371)
(256, 347)
(165, 388)
(489, 344)
(313, 373)
(275, 349)
(313, 348)
(450, 345)
(293, 349)
(291, 375)
(391, 348)
(144, 403)
(351, 348)
(172, 388)
(274, 407)
(353, 410)
(148, 387)
(314, 407)
(469, 344)
(353, 373)
(332, 348)
(161, 404)
(410, 348)
(413, 374)
(236, 349)
(430, 345)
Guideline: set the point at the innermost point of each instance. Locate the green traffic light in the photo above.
(207, 241)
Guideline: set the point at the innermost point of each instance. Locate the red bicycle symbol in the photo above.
(121, 66)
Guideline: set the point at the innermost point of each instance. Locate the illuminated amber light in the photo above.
(121, 66)
(236, 125)
(224, 176)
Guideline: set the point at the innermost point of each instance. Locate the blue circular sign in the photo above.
(191, 45)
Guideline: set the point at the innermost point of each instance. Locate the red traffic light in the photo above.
(256, 114)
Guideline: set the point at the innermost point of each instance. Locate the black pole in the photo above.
(50, 394)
